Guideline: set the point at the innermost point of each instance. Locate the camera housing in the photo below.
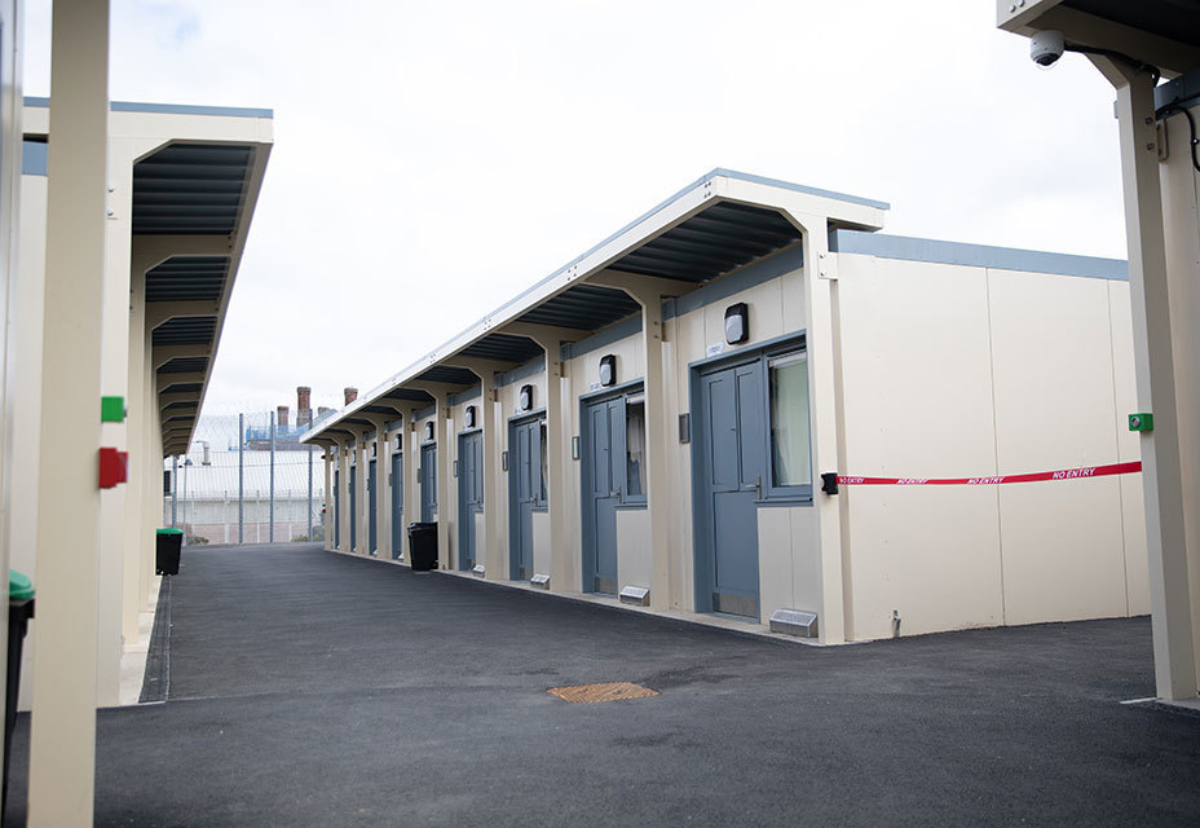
(1045, 48)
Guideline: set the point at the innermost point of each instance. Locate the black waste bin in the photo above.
(422, 546)
(168, 543)
(20, 610)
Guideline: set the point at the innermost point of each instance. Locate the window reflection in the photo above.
(635, 447)
(791, 457)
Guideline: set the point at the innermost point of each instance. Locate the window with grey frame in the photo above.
(635, 449)
(790, 426)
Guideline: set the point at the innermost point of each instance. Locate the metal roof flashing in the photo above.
(171, 109)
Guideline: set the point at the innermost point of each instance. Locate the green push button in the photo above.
(19, 586)
(1141, 422)
(112, 409)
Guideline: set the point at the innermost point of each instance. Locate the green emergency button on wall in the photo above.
(112, 409)
(1141, 422)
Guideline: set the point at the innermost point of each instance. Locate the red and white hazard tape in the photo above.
(1061, 474)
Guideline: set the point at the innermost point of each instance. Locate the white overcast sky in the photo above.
(433, 159)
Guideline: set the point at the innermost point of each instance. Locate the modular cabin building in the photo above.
(183, 185)
(666, 419)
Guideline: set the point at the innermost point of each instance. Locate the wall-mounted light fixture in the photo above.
(429, 430)
(525, 399)
(608, 370)
(574, 448)
(470, 416)
(504, 461)
(737, 323)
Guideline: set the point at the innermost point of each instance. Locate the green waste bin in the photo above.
(20, 611)
(167, 546)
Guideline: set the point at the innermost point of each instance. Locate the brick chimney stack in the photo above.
(281, 416)
(351, 394)
(303, 406)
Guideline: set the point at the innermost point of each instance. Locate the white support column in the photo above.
(362, 499)
(1173, 606)
(344, 449)
(445, 516)
(822, 335)
(62, 764)
(650, 293)
(412, 494)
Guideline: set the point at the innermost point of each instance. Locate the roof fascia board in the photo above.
(760, 194)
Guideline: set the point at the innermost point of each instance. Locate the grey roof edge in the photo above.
(975, 255)
(171, 109)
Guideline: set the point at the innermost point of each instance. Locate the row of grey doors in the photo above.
(730, 409)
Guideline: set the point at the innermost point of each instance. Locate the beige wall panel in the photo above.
(918, 403)
(1063, 550)
(765, 302)
(917, 388)
(806, 570)
(633, 548)
(775, 568)
(481, 544)
(1137, 563)
(794, 311)
(584, 371)
(930, 554)
(1053, 368)
(541, 543)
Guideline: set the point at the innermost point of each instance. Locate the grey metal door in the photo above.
(372, 508)
(470, 494)
(397, 504)
(526, 485)
(337, 511)
(353, 508)
(604, 470)
(735, 465)
(428, 479)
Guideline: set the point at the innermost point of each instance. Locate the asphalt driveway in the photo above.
(310, 688)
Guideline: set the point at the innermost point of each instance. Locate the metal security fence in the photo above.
(246, 479)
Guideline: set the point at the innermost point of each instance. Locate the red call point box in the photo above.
(114, 467)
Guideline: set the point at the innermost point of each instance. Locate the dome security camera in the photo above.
(1045, 48)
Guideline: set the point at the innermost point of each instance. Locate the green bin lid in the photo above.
(169, 532)
(19, 586)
